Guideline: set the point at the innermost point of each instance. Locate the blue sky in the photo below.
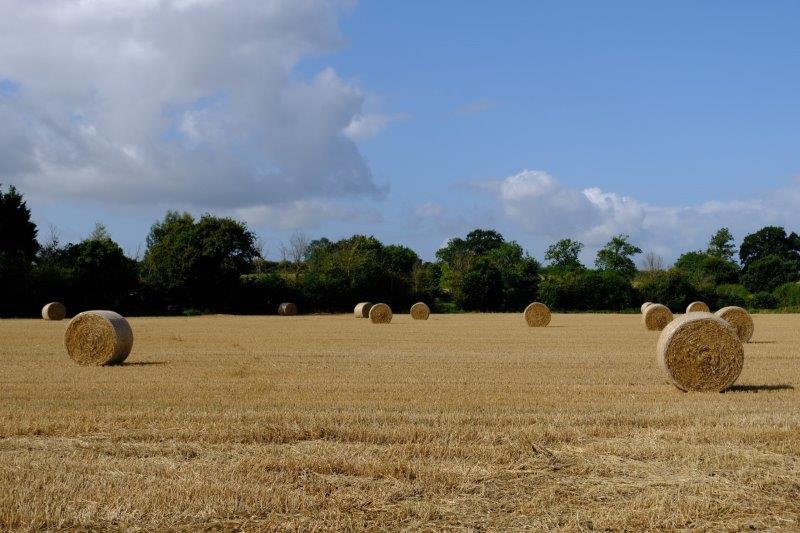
(413, 121)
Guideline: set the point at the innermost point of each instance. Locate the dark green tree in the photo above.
(769, 258)
(340, 274)
(17, 231)
(519, 275)
(483, 287)
(564, 254)
(673, 288)
(587, 290)
(705, 269)
(481, 241)
(98, 274)
(616, 256)
(197, 263)
(482, 255)
(767, 273)
(721, 245)
(770, 240)
(18, 247)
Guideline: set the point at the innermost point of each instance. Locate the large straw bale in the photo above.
(537, 315)
(700, 352)
(420, 311)
(740, 319)
(287, 309)
(362, 310)
(98, 338)
(656, 317)
(645, 305)
(54, 311)
(697, 307)
(380, 314)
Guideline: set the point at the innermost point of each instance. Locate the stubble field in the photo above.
(329, 422)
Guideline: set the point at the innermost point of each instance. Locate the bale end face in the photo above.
(656, 317)
(697, 307)
(537, 315)
(420, 311)
(740, 319)
(287, 309)
(54, 311)
(362, 310)
(700, 352)
(98, 338)
(380, 314)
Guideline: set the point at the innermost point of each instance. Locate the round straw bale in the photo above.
(98, 338)
(287, 309)
(740, 319)
(656, 317)
(644, 306)
(700, 352)
(380, 314)
(362, 310)
(420, 311)
(537, 315)
(54, 311)
(697, 307)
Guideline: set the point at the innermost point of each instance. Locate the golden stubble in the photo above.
(328, 422)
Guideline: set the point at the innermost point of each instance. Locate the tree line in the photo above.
(215, 264)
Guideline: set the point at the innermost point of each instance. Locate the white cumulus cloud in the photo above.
(186, 101)
(547, 209)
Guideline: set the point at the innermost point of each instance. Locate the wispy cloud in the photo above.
(367, 126)
(475, 107)
(308, 214)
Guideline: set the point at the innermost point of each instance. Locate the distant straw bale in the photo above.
(697, 307)
(656, 317)
(537, 315)
(645, 305)
(380, 314)
(420, 311)
(287, 309)
(98, 338)
(362, 310)
(54, 311)
(740, 319)
(700, 352)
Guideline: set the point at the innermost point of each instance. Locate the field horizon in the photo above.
(327, 422)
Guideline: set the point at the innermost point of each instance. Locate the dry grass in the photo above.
(467, 421)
